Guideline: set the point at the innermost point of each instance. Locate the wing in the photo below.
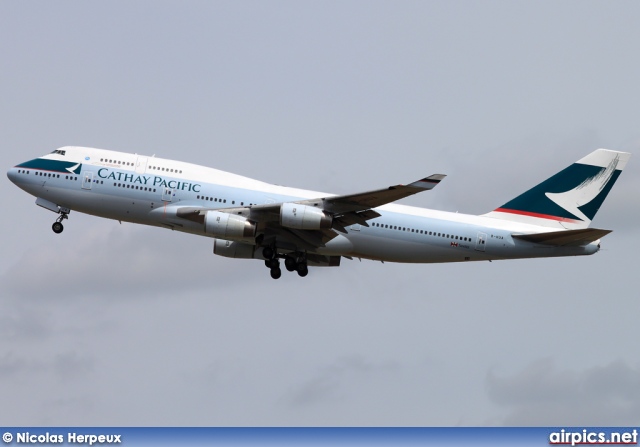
(373, 199)
(338, 212)
(355, 208)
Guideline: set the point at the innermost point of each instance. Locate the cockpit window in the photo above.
(59, 152)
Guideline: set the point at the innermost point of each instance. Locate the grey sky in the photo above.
(111, 324)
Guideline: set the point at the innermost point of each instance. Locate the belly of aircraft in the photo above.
(393, 250)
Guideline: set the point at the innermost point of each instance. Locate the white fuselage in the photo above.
(150, 190)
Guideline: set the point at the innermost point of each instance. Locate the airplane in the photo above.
(250, 219)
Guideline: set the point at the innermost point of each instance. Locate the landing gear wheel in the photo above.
(272, 263)
(57, 227)
(290, 264)
(276, 273)
(268, 253)
(302, 270)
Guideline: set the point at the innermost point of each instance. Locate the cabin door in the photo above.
(481, 242)
(167, 194)
(87, 180)
(141, 165)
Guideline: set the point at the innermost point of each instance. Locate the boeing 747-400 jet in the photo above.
(250, 219)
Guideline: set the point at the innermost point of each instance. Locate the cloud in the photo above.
(541, 394)
(330, 383)
(65, 366)
(121, 262)
(19, 323)
(122, 324)
(13, 365)
(71, 366)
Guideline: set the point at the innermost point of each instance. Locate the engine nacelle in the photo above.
(303, 217)
(232, 249)
(228, 226)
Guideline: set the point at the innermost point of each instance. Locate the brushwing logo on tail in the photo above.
(72, 169)
(585, 192)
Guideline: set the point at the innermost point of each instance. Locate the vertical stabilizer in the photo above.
(571, 198)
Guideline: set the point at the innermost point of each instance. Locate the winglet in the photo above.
(428, 182)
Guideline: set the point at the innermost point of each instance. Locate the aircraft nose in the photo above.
(12, 174)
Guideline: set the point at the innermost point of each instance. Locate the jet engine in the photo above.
(302, 217)
(229, 226)
(232, 249)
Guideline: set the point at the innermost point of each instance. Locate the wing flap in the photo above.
(567, 238)
(358, 218)
(191, 213)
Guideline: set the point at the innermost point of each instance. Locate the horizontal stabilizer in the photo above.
(567, 238)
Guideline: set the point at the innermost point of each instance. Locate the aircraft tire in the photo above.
(268, 253)
(57, 227)
(276, 273)
(290, 264)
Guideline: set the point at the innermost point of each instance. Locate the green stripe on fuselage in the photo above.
(45, 164)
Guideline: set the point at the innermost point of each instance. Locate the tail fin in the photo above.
(571, 198)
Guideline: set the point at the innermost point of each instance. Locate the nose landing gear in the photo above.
(57, 226)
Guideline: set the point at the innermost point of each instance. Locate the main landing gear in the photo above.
(57, 226)
(293, 262)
